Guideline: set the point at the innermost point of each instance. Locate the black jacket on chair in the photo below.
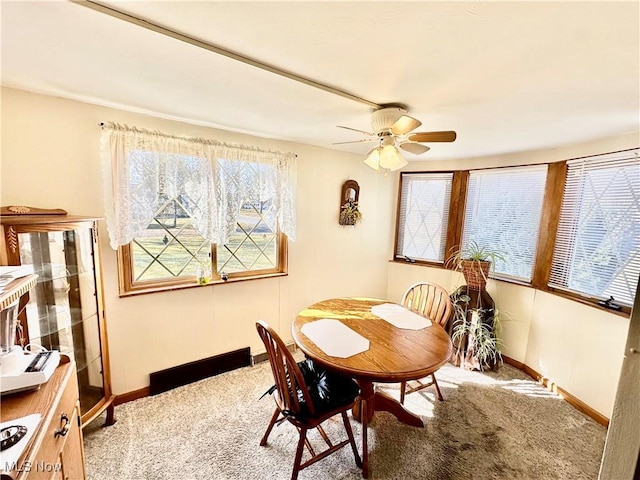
(328, 390)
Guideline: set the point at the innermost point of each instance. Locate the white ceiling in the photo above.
(506, 76)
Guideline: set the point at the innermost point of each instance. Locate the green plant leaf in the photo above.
(474, 252)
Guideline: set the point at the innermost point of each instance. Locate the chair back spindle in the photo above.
(430, 300)
(286, 373)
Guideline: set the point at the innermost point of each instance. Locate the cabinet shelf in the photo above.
(52, 271)
(54, 319)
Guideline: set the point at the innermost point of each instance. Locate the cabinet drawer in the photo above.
(63, 422)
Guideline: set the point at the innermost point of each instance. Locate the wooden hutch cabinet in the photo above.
(65, 310)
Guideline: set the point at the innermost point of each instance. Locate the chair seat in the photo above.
(328, 390)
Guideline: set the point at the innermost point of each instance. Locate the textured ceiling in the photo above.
(506, 76)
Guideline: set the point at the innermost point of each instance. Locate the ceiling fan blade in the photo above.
(404, 125)
(355, 141)
(415, 148)
(447, 136)
(356, 130)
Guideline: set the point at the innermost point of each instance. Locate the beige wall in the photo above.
(578, 347)
(50, 159)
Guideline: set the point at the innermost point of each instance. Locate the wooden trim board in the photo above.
(553, 387)
(548, 384)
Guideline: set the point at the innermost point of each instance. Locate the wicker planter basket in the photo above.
(476, 273)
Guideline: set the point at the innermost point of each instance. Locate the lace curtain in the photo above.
(142, 169)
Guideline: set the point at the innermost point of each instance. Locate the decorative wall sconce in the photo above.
(349, 211)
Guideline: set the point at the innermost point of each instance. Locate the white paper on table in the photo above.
(334, 338)
(400, 317)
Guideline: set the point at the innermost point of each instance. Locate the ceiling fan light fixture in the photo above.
(373, 159)
(391, 159)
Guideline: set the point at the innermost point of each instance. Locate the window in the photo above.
(597, 250)
(255, 243)
(502, 214)
(171, 248)
(570, 227)
(424, 216)
(170, 251)
(179, 209)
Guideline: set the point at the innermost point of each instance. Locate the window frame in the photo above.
(129, 286)
(396, 255)
(503, 275)
(586, 162)
(549, 221)
(457, 203)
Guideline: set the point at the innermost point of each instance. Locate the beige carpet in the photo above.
(499, 425)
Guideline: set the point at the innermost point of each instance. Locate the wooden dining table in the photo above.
(393, 355)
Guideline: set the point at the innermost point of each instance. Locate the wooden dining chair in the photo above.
(433, 302)
(306, 395)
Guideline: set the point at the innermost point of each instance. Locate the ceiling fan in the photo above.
(391, 126)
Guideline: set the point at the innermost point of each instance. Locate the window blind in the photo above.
(424, 215)
(502, 214)
(597, 251)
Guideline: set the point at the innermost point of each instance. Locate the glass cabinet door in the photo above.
(62, 313)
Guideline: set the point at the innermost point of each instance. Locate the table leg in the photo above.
(366, 393)
(370, 401)
(380, 402)
(365, 446)
(384, 403)
(364, 413)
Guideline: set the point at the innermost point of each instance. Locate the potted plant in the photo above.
(475, 319)
(475, 262)
(349, 213)
(473, 334)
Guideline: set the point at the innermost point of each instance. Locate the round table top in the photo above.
(394, 354)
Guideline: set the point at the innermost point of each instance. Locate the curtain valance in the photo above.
(142, 169)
